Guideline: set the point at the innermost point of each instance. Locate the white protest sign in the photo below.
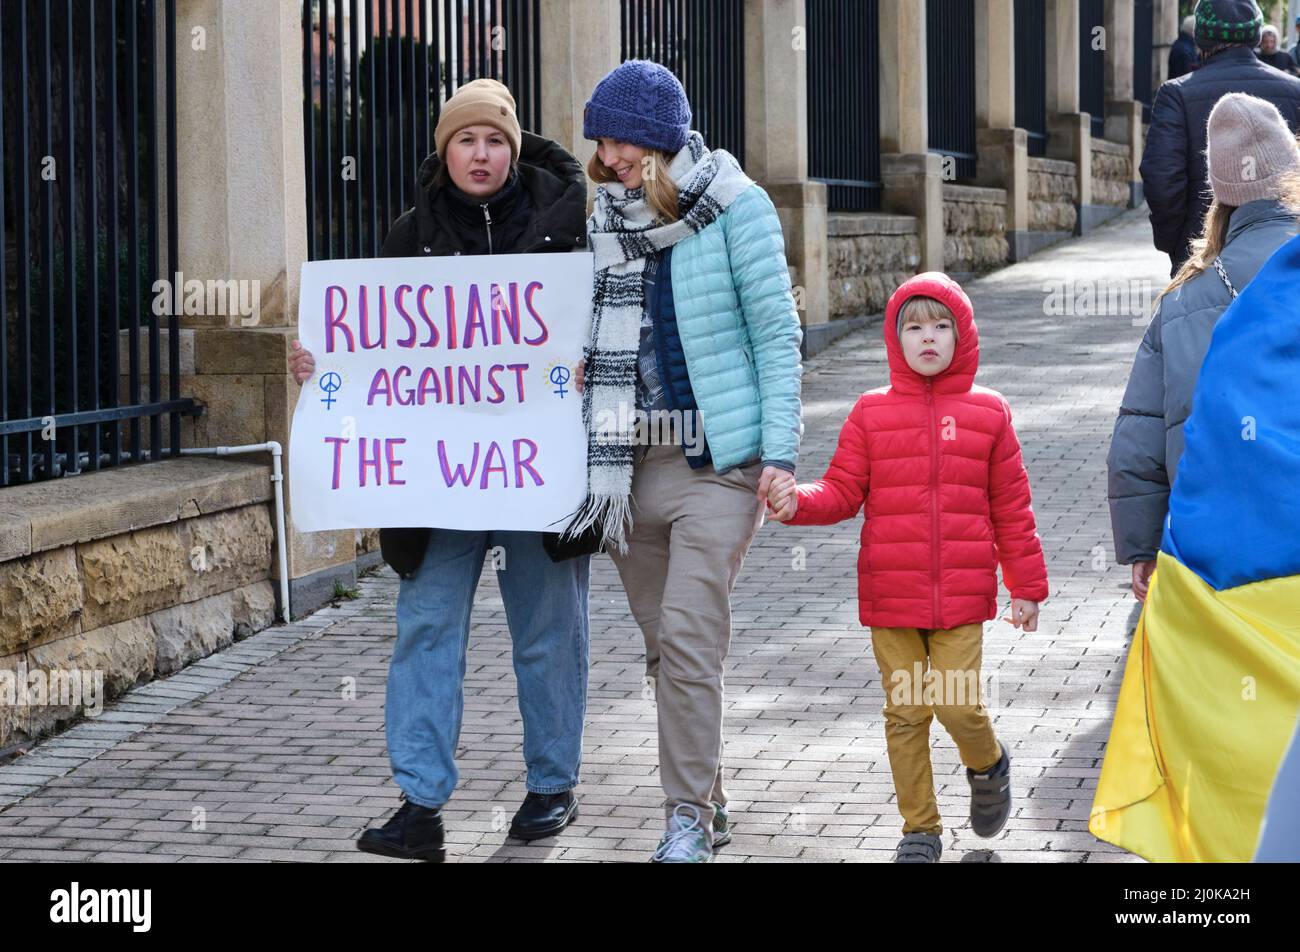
(443, 394)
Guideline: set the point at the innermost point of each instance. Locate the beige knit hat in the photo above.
(483, 102)
(1249, 149)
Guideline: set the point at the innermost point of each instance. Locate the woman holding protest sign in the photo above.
(693, 321)
(489, 189)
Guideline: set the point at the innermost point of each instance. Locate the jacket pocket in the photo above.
(753, 370)
(866, 577)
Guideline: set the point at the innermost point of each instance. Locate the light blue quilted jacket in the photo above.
(740, 333)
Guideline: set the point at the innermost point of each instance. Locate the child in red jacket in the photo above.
(937, 462)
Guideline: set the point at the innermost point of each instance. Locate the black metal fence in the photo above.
(843, 49)
(950, 73)
(375, 75)
(1143, 43)
(1031, 72)
(84, 202)
(703, 43)
(1092, 60)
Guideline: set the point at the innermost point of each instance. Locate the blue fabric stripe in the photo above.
(1234, 513)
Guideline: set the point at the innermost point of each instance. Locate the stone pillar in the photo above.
(580, 43)
(1165, 23)
(1118, 65)
(911, 175)
(1004, 163)
(1124, 124)
(1003, 149)
(242, 217)
(1123, 112)
(1069, 130)
(995, 64)
(1070, 138)
(776, 144)
(1062, 56)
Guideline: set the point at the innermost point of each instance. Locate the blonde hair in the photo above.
(927, 309)
(1214, 233)
(660, 189)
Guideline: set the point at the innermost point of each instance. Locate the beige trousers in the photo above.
(691, 529)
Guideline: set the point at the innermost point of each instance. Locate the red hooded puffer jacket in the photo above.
(938, 464)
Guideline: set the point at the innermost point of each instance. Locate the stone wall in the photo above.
(239, 377)
(1111, 173)
(868, 256)
(128, 575)
(367, 540)
(974, 228)
(1053, 189)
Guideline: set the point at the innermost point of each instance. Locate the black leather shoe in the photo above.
(544, 814)
(413, 832)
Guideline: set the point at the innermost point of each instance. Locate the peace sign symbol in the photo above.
(331, 383)
(560, 376)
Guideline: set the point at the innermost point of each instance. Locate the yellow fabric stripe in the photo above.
(1205, 713)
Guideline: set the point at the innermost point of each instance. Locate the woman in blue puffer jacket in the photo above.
(691, 402)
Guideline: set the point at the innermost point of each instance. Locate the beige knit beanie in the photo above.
(483, 102)
(1249, 149)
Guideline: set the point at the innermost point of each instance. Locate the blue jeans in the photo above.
(546, 607)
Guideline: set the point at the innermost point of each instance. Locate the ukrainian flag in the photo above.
(1212, 687)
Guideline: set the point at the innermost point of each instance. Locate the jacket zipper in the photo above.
(487, 218)
(934, 507)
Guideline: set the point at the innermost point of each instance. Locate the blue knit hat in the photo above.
(639, 102)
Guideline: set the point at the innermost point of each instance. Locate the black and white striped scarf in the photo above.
(622, 231)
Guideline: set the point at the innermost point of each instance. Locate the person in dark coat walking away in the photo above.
(1173, 163)
(1255, 177)
(1184, 57)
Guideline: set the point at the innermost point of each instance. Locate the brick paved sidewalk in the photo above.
(259, 744)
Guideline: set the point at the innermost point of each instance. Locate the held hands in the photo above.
(782, 499)
(1142, 578)
(301, 363)
(1024, 614)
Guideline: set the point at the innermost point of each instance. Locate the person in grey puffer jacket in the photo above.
(1254, 173)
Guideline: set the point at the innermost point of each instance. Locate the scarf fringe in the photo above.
(612, 512)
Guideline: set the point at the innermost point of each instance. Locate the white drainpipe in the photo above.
(277, 480)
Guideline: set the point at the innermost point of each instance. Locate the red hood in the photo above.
(960, 374)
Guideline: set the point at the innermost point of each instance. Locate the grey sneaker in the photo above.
(685, 841)
(919, 848)
(721, 826)
(990, 796)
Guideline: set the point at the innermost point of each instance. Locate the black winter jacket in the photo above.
(1183, 57)
(543, 208)
(1174, 175)
(1278, 59)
